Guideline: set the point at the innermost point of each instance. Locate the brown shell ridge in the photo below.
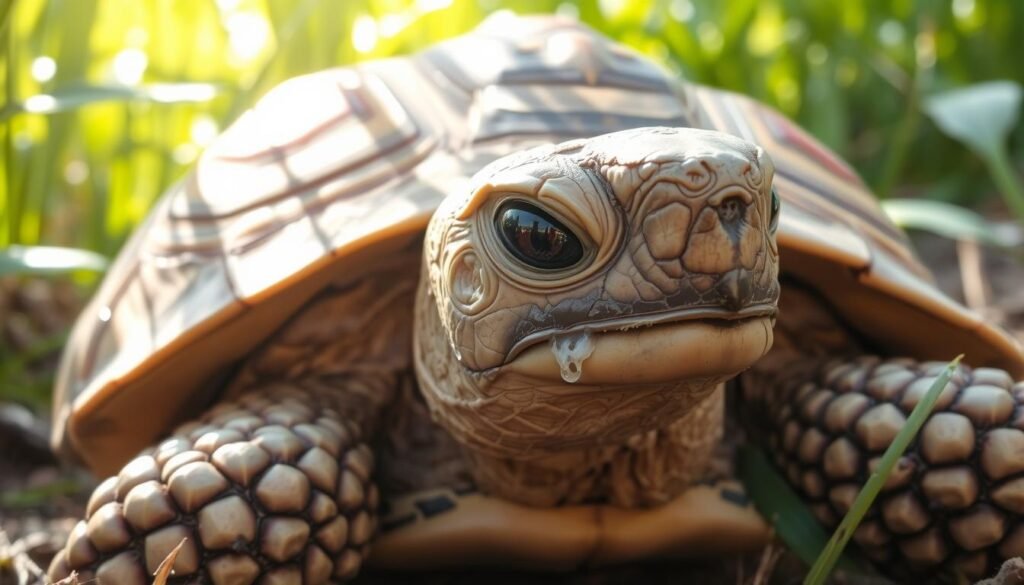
(231, 241)
(833, 190)
(207, 262)
(830, 220)
(332, 170)
(297, 164)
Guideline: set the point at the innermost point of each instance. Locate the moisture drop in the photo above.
(570, 351)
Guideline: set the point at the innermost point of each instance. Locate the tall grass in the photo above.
(106, 102)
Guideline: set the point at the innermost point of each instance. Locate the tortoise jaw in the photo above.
(693, 343)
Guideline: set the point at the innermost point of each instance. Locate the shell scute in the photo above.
(336, 168)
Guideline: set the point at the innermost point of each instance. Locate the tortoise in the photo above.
(482, 306)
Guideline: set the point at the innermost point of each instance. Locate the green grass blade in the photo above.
(66, 99)
(1005, 178)
(775, 499)
(48, 260)
(5, 13)
(41, 495)
(827, 560)
(979, 116)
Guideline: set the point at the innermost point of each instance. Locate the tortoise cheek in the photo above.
(471, 287)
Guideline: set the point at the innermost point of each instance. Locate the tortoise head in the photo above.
(587, 291)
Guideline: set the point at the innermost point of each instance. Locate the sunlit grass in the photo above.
(107, 102)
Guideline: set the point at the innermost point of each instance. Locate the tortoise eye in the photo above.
(773, 223)
(537, 239)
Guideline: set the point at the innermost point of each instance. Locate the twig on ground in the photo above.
(972, 277)
(16, 567)
(766, 566)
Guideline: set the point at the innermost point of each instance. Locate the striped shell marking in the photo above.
(324, 171)
(334, 171)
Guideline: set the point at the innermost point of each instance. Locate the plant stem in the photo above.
(1009, 185)
(901, 139)
(827, 559)
(11, 200)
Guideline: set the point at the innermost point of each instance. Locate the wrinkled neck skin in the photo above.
(594, 374)
(544, 443)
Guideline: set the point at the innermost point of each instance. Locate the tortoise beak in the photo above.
(659, 353)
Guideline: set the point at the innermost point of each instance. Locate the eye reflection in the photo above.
(776, 207)
(536, 238)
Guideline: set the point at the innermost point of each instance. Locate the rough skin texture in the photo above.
(275, 486)
(542, 372)
(485, 321)
(956, 498)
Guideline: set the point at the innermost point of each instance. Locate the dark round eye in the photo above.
(536, 238)
(773, 223)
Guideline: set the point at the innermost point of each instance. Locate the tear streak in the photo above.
(570, 351)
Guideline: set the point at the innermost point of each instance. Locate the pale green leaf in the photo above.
(947, 220)
(980, 116)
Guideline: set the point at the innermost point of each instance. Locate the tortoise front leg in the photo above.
(955, 501)
(275, 484)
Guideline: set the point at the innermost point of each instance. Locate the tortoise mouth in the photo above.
(670, 346)
(717, 315)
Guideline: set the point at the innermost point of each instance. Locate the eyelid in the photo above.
(567, 201)
(512, 182)
(580, 209)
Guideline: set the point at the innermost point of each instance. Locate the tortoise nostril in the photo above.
(734, 288)
(731, 209)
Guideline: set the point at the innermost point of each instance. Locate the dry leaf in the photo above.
(71, 579)
(164, 570)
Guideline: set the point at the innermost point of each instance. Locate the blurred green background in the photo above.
(106, 102)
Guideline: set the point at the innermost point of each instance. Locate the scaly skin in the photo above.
(955, 501)
(276, 484)
(680, 231)
(674, 292)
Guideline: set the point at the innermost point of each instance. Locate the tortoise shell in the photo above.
(331, 171)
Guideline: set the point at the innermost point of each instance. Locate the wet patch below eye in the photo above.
(570, 351)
